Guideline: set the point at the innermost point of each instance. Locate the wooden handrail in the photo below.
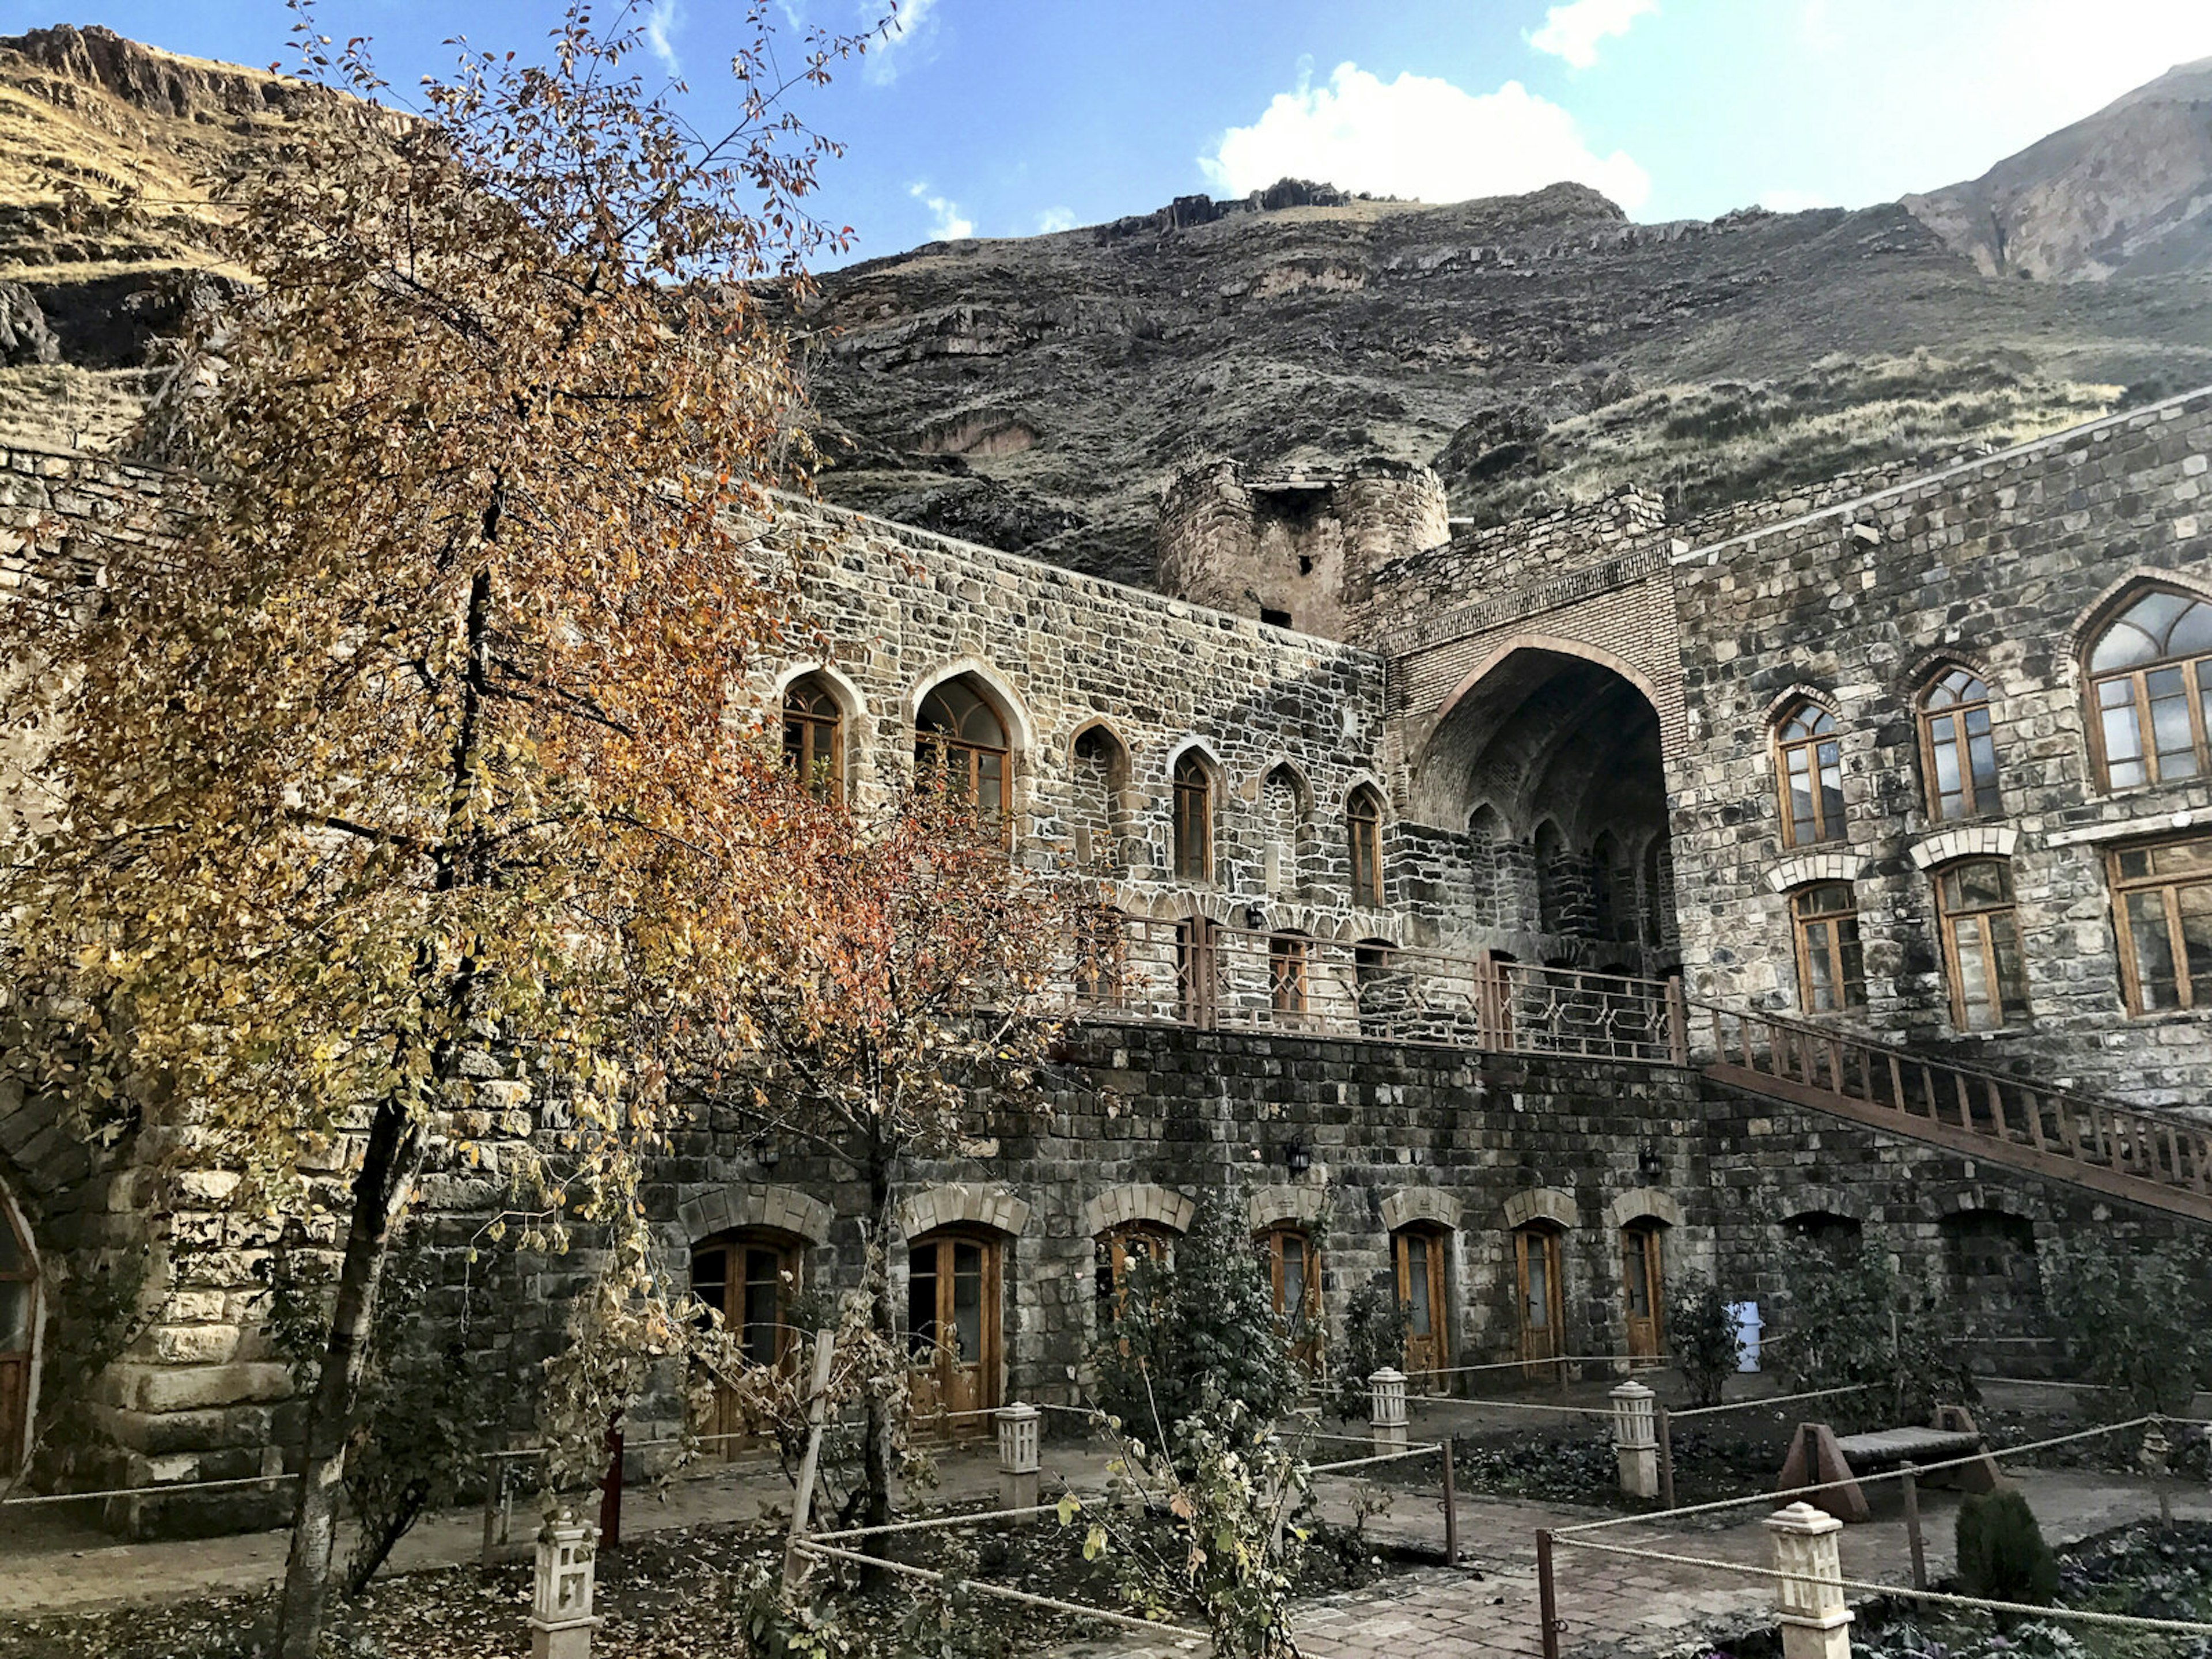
(2155, 1156)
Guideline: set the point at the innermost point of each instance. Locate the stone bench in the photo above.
(1818, 1458)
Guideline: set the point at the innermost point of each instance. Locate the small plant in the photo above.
(1702, 1335)
(1852, 1320)
(2001, 1554)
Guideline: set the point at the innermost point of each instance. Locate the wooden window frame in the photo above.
(991, 1314)
(942, 756)
(1191, 784)
(1289, 978)
(2012, 1009)
(1111, 1254)
(1101, 957)
(1956, 717)
(1198, 969)
(1436, 1241)
(1852, 986)
(1651, 1234)
(1822, 833)
(2196, 670)
(1548, 1240)
(801, 726)
(2170, 886)
(1363, 828)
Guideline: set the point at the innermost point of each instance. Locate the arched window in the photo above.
(814, 736)
(1290, 961)
(1981, 944)
(2150, 677)
(1809, 756)
(1957, 751)
(1102, 956)
(1100, 766)
(1554, 881)
(952, 1325)
(960, 746)
(1113, 1251)
(1608, 884)
(1285, 813)
(1363, 818)
(1542, 1301)
(1830, 968)
(1193, 819)
(1419, 1253)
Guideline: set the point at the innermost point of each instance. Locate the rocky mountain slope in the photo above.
(1036, 393)
(2128, 192)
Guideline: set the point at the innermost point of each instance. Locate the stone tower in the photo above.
(1286, 546)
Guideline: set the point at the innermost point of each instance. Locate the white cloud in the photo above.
(1573, 31)
(946, 222)
(1417, 137)
(1058, 218)
(663, 19)
(910, 26)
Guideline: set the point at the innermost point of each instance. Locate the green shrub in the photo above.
(2001, 1554)
(1186, 1339)
(1702, 1336)
(1374, 1336)
(2131, 1319)
(1853, 1320)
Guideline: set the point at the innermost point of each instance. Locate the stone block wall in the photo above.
(1998, 565)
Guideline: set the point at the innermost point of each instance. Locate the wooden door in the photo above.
(1294, 1270)
(19, 1327)
(1643, 1284)
(1420, 1254)
(1536, 1261)
(952, 1330)
(748, 1279)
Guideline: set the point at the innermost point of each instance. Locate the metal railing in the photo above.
(2147, 1155)
(1215, 977)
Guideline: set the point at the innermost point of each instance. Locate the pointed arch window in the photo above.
(1364, 818)
(1958, 749)
(1193, 819)
(2150, 691)
(1808, 751)
(960, 746)
(814, 737)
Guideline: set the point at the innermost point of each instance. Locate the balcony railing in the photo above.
(1216, 977)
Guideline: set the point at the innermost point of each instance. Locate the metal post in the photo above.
(1548, 1600)
(611, 1487)
(1666, 1425)
(1452, 1509)
(494, 1483)
(802, 1501)
(1912, 1527)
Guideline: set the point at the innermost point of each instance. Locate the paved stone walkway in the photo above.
(1634, 1609)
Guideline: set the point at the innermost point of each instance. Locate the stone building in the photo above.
(1515, 917)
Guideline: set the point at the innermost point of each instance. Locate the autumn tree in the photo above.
(412, 761)
(911, 1019)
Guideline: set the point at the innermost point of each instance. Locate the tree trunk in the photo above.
(387, 1174)
(876, 1447)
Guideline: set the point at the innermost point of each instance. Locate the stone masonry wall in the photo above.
(1998, 565)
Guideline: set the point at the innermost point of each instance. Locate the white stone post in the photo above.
(1816, 1623)
(561, 1618)
(1636, 1440)
(1386, 1413)
(1019, 1455)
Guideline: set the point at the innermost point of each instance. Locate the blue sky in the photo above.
(1005, 117)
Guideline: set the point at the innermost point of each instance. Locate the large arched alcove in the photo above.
(1549, 742)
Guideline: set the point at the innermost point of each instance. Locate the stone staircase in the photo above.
(2158, 1159)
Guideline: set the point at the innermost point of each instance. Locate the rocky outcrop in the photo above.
(2127, 191)
(24, 336)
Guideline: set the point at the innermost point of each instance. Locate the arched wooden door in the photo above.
(952, 1326)
(19, 1331)
(748, 1276)
(1542, 1301)
(1643, 1287)
(1294, 1271)
(1420, 1252)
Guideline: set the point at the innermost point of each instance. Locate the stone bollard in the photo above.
(1386, 1412)
(561, 1619)
(1017, 1456)
(1636, 1440)
(1816, 1623)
